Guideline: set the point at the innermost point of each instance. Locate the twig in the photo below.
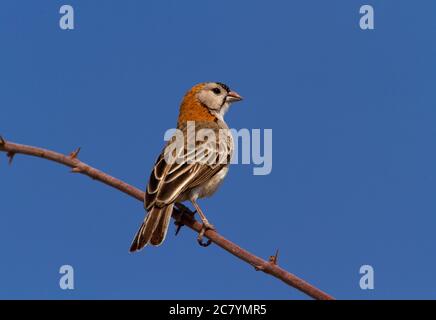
(269, 267)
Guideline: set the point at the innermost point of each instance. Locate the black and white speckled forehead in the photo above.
(225, 87)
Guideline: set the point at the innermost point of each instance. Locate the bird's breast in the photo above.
(209, 187)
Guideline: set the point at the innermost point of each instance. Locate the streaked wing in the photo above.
(169, 180)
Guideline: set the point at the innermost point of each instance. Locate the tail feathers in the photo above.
(161, 230)
(154, 228)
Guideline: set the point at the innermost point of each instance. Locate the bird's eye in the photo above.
(216, 90)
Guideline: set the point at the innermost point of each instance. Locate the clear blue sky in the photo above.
(353, 116)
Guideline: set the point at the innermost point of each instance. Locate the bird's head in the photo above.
(207, 102)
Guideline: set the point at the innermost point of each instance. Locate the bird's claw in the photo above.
(179, 226)
(183, 211)
(206, 226)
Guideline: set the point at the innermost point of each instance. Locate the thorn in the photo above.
(76, 170)
(10, 155)
(274, 259)
(259, 268)
(73, 155)
(2, 141)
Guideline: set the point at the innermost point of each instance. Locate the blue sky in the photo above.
(352, 114)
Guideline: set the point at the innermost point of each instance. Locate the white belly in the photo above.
(208, 188)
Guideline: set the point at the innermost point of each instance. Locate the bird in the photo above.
(190, 177)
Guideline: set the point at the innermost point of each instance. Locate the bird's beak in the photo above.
(233, 96)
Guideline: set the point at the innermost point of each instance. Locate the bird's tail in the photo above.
(154, 228)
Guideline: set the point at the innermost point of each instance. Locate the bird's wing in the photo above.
(168, 180)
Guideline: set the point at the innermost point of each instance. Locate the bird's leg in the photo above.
(183, 211)
(206, 225)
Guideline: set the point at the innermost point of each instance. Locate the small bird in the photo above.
(191, 178)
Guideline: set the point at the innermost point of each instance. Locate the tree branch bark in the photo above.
(270, 267)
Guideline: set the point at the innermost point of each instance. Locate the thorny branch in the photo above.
(270, 267)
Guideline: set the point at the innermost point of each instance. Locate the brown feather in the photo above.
(160, 232)
(147, 228)
(192, 109)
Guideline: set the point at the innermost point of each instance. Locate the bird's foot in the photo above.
(184, 212)
(206, 226)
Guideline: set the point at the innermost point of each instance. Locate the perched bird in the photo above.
(191, 177)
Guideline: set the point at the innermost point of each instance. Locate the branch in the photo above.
(77, 166)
